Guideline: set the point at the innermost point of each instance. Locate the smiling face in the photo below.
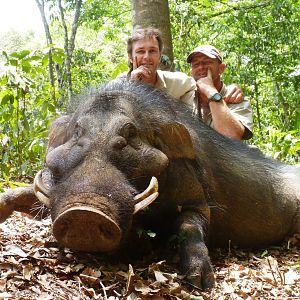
(200, 64)
(146, 52)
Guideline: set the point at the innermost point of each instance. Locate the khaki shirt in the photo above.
(242, 111)
(178, 85)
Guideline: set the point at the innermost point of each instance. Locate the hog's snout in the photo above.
(84, 228)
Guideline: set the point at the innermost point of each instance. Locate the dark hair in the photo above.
(142, 33)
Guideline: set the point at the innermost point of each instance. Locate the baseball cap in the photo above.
(207, 50)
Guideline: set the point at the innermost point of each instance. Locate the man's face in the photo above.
(146, 53)
(201, 63)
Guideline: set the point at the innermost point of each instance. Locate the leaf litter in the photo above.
(33, 266)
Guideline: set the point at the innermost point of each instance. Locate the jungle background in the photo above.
(85, 45)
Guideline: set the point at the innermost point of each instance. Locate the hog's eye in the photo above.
(119, 143)
(78, 131)
(129, 131)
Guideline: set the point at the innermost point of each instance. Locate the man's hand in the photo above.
(234, 94)
(206, 87)
(140, 72)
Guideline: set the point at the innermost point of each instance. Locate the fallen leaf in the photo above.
(291, 277)
(5, 296)
(14, 250)
(160, 277)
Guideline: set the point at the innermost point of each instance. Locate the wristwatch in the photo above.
(217, 97)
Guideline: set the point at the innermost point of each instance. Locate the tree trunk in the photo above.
(155, 13)
(69, 43)
(41, 7)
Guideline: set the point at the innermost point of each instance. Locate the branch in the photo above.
(246, 8)
(41, 6)
(69, 42)
(63, 21)
(75, 25)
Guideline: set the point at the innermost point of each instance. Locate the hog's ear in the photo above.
(175, 141)
(57, 133)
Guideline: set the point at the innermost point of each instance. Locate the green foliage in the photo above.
(259, 41)
(93, 68)
(265, 253)
(284, 146)
(143, 233)
(12, 40)
(101, 41)
(7, 183)
(97, 13)
(26, 110)
(260, 44)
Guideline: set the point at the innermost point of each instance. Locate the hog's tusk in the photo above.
(147, 196)
(144, 203)
(152, 188)
(44, 199)
(40, 190)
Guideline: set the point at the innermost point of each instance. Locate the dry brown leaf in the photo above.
(292, 277)
(37, 268)
(45, 296)
(28, 271)
(160, 277)
(6, 296)
(14, 250)
(140, 286)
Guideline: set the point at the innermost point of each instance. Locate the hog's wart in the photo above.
(211, 189)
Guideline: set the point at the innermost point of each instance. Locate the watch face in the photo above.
(216, 97)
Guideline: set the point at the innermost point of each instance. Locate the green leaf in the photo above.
(7, 99)
(120, 68)
(151, 234)
(264, 253)
(21, 54)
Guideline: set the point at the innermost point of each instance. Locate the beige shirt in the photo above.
(178, 85)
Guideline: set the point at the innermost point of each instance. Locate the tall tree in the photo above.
(41, 7)
(69, 32)
(155, 13)
(69, 44)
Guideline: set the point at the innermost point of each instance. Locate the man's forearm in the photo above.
(225, 122)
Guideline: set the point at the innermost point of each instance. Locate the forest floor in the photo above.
(33, 267)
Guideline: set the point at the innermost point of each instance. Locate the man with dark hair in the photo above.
(232, 120)
(144, 50)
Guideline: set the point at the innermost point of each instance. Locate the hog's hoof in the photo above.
(199, 272)
(202, 281)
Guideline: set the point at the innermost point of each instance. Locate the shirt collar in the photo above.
(160, 82)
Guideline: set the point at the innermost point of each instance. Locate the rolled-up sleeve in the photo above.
(243, 113)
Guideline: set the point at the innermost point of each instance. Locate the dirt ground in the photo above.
(33, 267)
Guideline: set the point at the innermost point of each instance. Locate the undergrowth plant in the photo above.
(27, 108)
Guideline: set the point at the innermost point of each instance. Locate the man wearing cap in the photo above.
(234, 119)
